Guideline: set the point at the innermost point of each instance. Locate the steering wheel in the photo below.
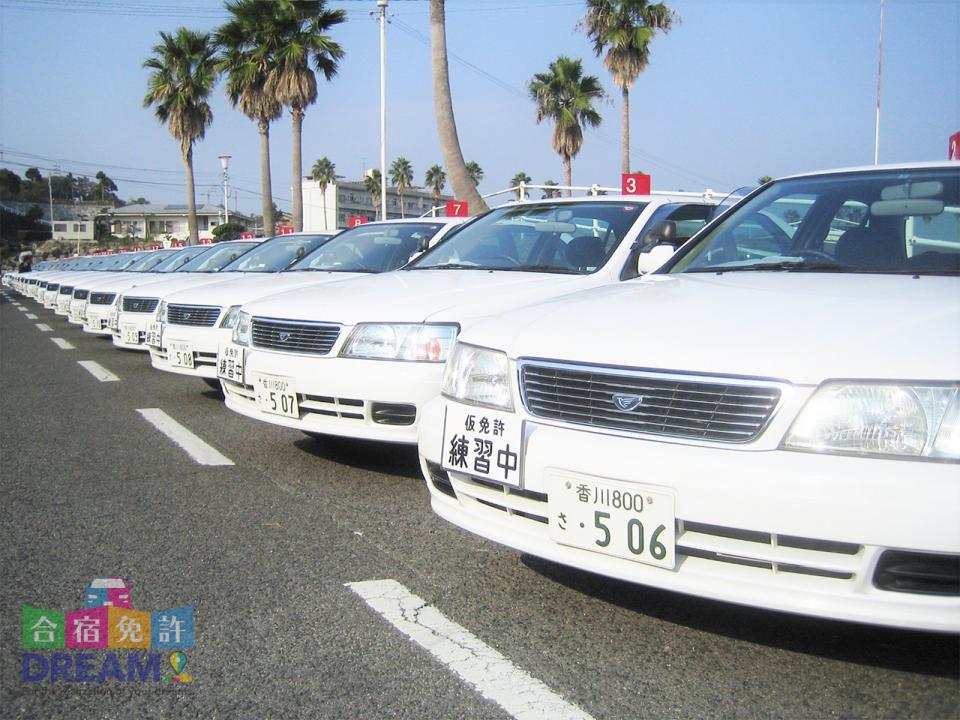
(513, 262)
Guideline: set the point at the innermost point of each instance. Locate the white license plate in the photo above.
(94, 323)
(180, 354)
(130, 334)
(154, 334)
(276, 395)
(626, 520)
(482, 442)
(230, 362)
(112, 320)
(76, 313)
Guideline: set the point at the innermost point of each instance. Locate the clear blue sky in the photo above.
(739, 89)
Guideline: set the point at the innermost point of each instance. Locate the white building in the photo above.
(159, 222)
(343, 200)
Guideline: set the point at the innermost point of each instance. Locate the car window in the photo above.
(369, 248)
(218, 256)
(176, 261)
(150, 261)
(277, 253)
(881, 221)
(570, 237)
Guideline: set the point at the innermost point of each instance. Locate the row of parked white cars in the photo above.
(771, 418)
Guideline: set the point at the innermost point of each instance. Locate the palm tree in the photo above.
(547, 194)
(401, 175)
(324, 172)
(518, 179)
(463, 188)
(565, 95)
(246, 66)
(475, 172)
(183, 73)
(371, 183)
(625, 29)
(435, 179)
(293, 35)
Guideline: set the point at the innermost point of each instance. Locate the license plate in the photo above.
(481, 442)
(112, 320)
(130, 334)
(94, 323)
(276, 395)
(626, 520)
(154, 334)
(76, 313)
(230, 362)
(180, 354)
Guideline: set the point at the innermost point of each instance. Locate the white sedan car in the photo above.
(360, 358)
(772, 419)
(189, 341)
(132, 313)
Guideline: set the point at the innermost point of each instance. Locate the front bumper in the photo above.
(78, 312)
(97, 319)
(130, 332)
(204, 342)
(788, 531)
(364, 399)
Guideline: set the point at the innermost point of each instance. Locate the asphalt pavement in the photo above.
(276, 551)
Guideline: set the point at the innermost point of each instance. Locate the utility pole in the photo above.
(50, 188)
(224, 163)
(382, 13)
(876, 131)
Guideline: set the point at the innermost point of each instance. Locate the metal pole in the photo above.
(224, 163)
(50, 188)
(382, 7)
(876, 130)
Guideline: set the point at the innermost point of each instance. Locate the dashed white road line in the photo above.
(196, 448)
(21, 308)
(98, 371)
(43, 327)
(31, 316)
(63, 344)
(490, 673)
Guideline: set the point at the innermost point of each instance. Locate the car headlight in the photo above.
(241, 330)
(230, 317)
(403, 341)
(880, 419)
(478, 376)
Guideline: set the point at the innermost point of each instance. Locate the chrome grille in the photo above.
(716, 409)
(195, 315)
(294, 336)
(81, 294)
(102, 298)
(52, 286)
(66, 289)
(139, 304)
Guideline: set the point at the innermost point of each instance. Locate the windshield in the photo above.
(370, 248)
(277, 253)
(885, 221)
(175, 262)
(575, 238)
(149, 261)
(124, 261)
(217, 257)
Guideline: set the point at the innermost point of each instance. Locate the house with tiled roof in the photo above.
(157, 221)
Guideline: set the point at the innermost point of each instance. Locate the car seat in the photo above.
(585, 252)
(870, 248)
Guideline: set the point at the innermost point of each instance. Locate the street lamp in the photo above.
(224, 163)
(382, 14)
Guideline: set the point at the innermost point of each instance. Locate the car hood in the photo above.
(803, 328)
(172, 283)
(125, 281)
(417, 296)
(240, 288)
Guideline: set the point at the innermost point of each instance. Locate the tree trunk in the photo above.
(567, 175)
(400, 193)
(266, 185)
(297, 211)
(192, 237)
(463, 187)
(323, 196)
(625, 125)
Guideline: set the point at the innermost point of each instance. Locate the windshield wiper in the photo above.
(785, 266)
(453, 266)
(542, 268)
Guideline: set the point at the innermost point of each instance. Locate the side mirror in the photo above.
(653, 257)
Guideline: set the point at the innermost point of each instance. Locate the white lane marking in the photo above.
(43, 327)
(496, 678)
(63, 344)
(21, 308)
(191, 444)
(31, 316)
(98, 371)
